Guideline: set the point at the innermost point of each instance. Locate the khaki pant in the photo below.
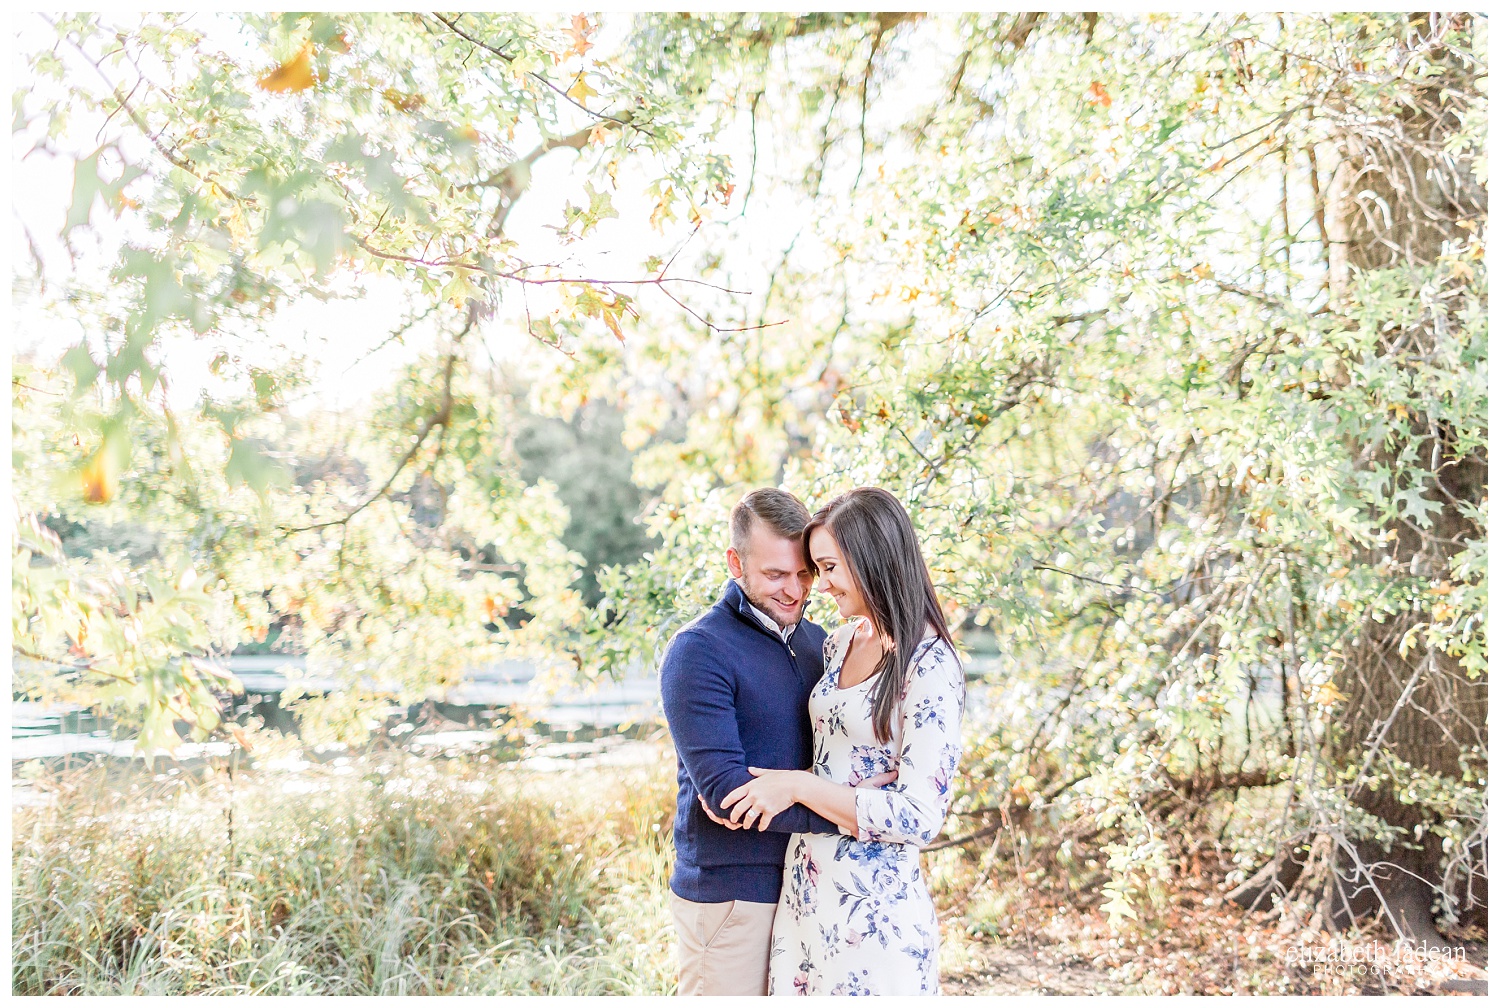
(723, 948)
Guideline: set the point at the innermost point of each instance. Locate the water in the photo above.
(485, 693)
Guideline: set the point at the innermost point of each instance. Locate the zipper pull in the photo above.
(789, 648)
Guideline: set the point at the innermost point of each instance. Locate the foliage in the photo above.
(240, 164)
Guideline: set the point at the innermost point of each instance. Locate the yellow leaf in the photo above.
(1202, 271)
(295, 74)
(599, 134)
(1118, 907)
(1223, 160)
(1327, 695)
(581, 92)
(404, 102)
(663, 211)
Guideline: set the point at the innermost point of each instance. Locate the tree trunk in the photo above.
(1397, 197)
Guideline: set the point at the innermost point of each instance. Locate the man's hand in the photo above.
(877, 781)
(722, 822)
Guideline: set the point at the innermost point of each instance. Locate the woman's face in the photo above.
(834, 576)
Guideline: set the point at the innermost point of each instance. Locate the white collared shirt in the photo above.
(785, 633)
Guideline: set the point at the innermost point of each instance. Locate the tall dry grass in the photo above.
(408, 877)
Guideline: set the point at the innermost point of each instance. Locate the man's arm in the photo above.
(698, 699)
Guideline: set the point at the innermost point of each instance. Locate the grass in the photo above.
(416, 877)
(394, 874)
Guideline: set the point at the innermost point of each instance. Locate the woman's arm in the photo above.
(931, 708)
(771, 788)
(834, 802)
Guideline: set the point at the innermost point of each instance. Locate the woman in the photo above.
(855, 916)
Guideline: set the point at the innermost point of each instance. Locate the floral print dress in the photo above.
(855, 916)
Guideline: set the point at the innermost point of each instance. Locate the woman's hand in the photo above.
(771, 793)
(877, 781)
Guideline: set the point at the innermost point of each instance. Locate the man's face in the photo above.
(772, 574)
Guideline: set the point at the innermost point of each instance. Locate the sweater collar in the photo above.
(734, 597)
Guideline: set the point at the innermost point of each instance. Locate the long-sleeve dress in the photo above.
(855, 916)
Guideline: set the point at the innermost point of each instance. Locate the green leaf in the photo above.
(85, 369)
(1410, 503)
(252, 466)
(85, 191)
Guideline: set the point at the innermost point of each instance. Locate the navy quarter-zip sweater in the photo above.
(735, 695)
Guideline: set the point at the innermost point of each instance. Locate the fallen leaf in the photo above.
(295, 74)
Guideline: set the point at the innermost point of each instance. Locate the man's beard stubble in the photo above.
(760, 602)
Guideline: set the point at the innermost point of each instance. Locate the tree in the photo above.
(231, 165)
(1071, 294)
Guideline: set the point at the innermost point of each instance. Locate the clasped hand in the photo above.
(768, 795)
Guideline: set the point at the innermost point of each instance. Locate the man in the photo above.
(734, 687)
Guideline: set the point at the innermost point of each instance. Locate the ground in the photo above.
(1191, 949)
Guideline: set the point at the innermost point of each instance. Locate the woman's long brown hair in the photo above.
(879, 544)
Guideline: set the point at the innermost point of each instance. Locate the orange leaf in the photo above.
(1223, 160)
(579, 33)
(1098, 96)
(100, 478)
(614, 326)
(295, 74)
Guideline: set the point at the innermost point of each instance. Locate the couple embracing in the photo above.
(812, 767)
